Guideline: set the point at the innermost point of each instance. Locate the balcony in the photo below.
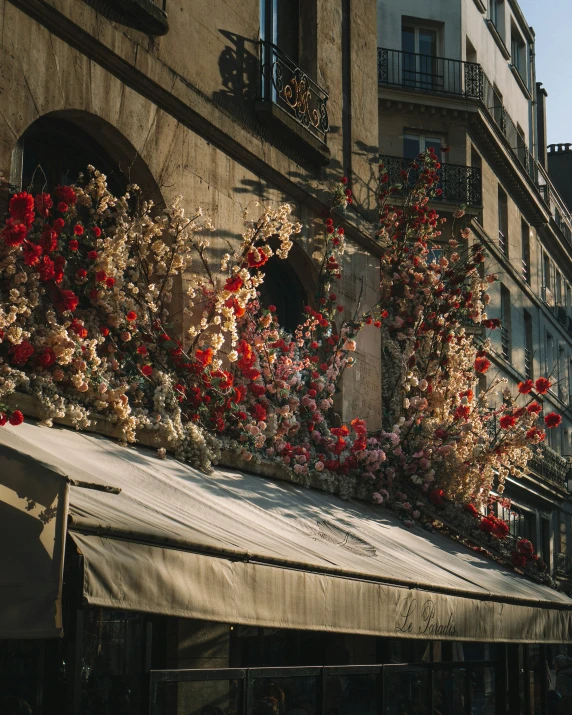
(147, 16)
(440, 75)
(290, 97)
(459, 184)
(549, 465)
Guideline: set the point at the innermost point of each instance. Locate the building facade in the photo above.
(461, 74)
(167, 600)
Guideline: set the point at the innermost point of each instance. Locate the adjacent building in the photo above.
(461, 75)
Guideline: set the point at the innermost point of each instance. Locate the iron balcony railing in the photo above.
(505, 343)
(558, 210)
(459, 184)
(288, 87)
(527, 364)
(549, 465)
(441, 75)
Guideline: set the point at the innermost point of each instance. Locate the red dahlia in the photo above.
(552, 420)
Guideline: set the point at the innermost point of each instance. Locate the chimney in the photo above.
(560, 170)
(541, 134)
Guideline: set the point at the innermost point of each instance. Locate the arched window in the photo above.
(283, 288)
(54, 152)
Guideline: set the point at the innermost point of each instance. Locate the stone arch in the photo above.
(90, 136)
(289, 285)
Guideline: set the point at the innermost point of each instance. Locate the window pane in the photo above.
(353, 694)
(450, 691)
(483, 691)
(428, 42)
(411, 146)
(408, 39)
(208, 697)
(407, 691)
(277, 696)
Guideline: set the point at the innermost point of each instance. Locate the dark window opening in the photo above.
(55, 152)
(283, 289)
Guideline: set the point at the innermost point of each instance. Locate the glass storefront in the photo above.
(117, 662)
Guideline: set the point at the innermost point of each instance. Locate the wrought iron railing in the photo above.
(548, 464)
(441, 75)
(505, 343)
(288, 87)
(527, 364)
(458, 184)
(557, 207)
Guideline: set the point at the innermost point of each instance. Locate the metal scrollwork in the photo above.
(295, 92)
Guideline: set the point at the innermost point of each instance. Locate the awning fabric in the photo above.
(239, 548)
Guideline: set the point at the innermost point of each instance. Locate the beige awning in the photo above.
(238, 548)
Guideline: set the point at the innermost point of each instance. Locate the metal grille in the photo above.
(505, 343)
(548, 464)
(527, 364)
(441, 75)
(284, 84)
(459, 184)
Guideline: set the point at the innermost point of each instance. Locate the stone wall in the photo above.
(177, 115)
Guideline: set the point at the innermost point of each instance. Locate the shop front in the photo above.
(140, 585)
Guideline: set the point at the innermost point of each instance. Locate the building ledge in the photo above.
(482, 8)
(498, 39)
(142, 15)
(521, 83)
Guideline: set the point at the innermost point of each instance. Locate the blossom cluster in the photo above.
(88, 285)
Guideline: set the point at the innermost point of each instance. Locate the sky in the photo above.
(552, 23)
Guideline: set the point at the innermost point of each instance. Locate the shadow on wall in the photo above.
(239, 68)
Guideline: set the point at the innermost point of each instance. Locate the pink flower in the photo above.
(377, 498)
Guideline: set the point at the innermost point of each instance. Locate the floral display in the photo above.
(88, 307)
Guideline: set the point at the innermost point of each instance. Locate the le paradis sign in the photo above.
(419, 617)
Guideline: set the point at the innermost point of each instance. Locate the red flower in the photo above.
(16, 418)
(463, 412)
(525, 546)
(257, 390)
(344, 179)
(97, 231)
(59, 223)
(543, 384)
(63, 207)
(131, 315)
(78, 229)
(534, 434)
(519, 560)
(104, 331)
(552, 420)
(359, 426)
(142, 350)
(31, 254)
(110, 282)
(100, 276)
(342, 431)
(67, 300)
(47, 358)
(436, 497)
(471, 509)
(21, 207)
(21, 353)
(78, 328)
(256, 259)
(43, 204)
(14, 233)
(92, 255)
(233, 284)
(259, 412)
(272, 308)
(482, 364)
(507, 421)
(66, 193)
(204, 356)
(73, 245)
(81, 273)
(46, 269)
(147, 370)
(525, 387)
(3, 419)
(534, 408)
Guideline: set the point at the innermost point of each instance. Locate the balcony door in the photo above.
(415, 144)
(420, 67)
